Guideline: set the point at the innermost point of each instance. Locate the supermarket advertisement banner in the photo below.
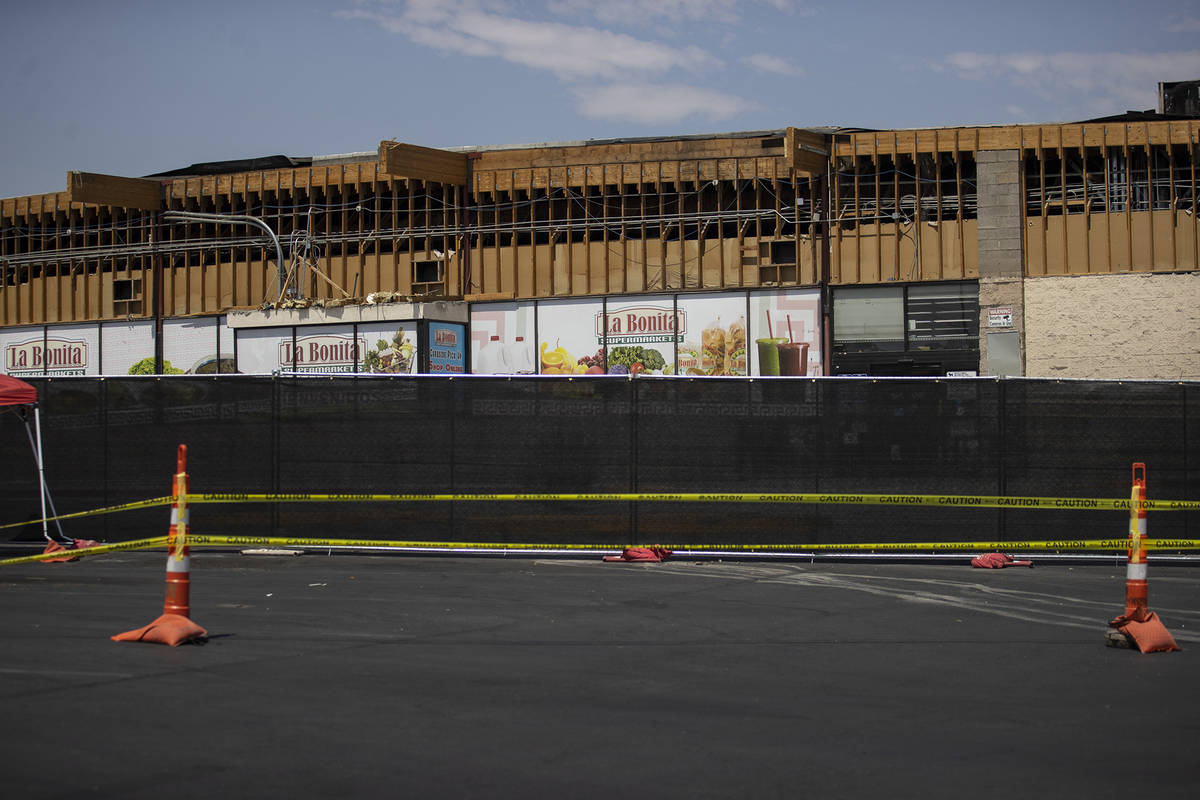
(755, 332)
(118, 348)
(447, 352)
(768, 333)
(331, 349)
(61, 350)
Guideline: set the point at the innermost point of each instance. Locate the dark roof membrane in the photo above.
(1139, 116)
(260, 164)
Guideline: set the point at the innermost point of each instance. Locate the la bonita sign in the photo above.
(51, 356)
(322, 353)
(641, 325)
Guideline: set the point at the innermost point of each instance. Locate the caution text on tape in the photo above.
(195, 540)
(910, 500)
(977, 501)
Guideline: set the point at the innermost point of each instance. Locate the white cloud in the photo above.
(576, 52)
(1103, 83)
(636, 12)
(764, 62)
(571, 52)
(611, 72)
(658, 103)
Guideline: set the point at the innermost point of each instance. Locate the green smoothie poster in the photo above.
(786, 333)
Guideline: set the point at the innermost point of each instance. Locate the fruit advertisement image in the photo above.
(567, 340)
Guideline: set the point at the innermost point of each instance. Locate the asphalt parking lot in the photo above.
(456, 677)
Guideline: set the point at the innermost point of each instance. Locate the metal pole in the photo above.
(45, 492)
(158, 296)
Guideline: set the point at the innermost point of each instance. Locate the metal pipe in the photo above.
(196, 216)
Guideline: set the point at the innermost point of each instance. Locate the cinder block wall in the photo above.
(1001, 250)
(1113, 326)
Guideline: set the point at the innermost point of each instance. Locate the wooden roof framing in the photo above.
(642, 161)
(1093, 134)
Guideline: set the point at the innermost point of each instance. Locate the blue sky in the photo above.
(131, 88)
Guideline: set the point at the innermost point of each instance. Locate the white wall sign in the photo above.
(323, 350)
(1000, 317)
(58, 350)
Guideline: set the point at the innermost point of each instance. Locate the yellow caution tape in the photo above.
(968, 501)
(939, 500)
(195, 540)
(1089, 544)
(954, 500)
(136, 544)
(151, 503)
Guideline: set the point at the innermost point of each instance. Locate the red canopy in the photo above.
(14, 392)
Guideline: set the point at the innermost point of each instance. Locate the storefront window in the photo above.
(869, 319)
(921, 329)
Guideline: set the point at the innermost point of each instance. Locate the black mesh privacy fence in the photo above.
(113, 440)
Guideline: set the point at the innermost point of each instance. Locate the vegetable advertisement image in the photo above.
(634, 360)
(146, 367)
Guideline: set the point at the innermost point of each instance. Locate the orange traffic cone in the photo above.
(174, 627)
(1139, 626)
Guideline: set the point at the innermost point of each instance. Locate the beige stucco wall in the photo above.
(1006, 293)
(1113, 326)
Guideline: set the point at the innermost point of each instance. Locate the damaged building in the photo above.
(1053, 250)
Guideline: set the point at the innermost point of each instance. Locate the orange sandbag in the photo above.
(171, 629)
(1149, 634)
(641, 554)
(55, 547)
(997, 561)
